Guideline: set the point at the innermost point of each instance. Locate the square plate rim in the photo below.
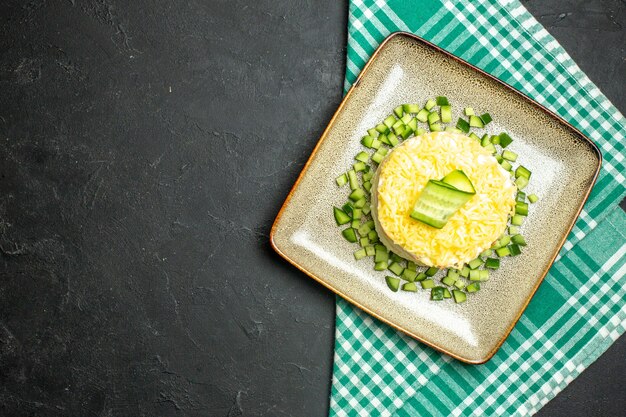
(324, 136)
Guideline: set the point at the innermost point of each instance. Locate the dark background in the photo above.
(145, 149)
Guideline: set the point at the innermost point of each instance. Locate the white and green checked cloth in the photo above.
(579, 310)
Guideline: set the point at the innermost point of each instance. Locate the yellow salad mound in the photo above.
(473, 228)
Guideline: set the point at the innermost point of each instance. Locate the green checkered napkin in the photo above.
(579, 310)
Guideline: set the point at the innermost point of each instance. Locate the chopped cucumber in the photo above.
(357, 194)
(442, 101)
(433, 118)
(376, 144)
(518, 240)
(380, 266)
(421, 277)
(381, 254)
(370, 251)
(453, 129)
(436, 293)
(492, 263)
(485, 141)
(359, 166)
(521, 182)
(448, 281)
(475, 263)
(356, 223)
(513, 230)
(522, 171)
(372, 132)
(495, 140)
(435, 127)
(396, 268)
(520, 197)
(350, 235)
(392, 139)
(517, 220)
(460, 284)
(364, 241)
(486, 118)
(463, 125)
(342, 180)
(348, 209)
(411, 108)
(393, 283)
(413, 124)
(428, 283)
(475, 121)
(465, 271)
(505, 140)
(473, 287)
(353, 180)
(502, 252)
(341, 217)
(446, 293)
(446, 113)
(360, 254)
(422, 115)
(372, 236)
(360, 203)
(362, 156)
(506, 165)
(409, 286)
(430, 104)
(521, 208)
(514, 249)
(430, 272)
(382, 128)
(367, 185)
(411, 266)
(367, 141)
(474, 136)
(533, 198)
(509, 155)
(469, 111)
(398, 111)
(357, 213)
(459, 296)
(409, 275)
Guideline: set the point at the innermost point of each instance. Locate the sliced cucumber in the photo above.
(438, 202)
(341, 217)
(459, 180)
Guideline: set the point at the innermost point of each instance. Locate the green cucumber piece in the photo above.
(411, 266)
(460, 284)
(359, 166)
(518, 240)
(409, 286)
(436, 293)
(475, 263)
(446, 113)
(353, 180)
(372, 132)
(432, 271)
(421, 277)
(367, 141)
(463, 125)
(360, 254)
(380, 266)
(396, 268)
(514, 249)
(473, 287)
(399, 111)
(341, 180)
(448, 281)
(422, 115)
(452, 129)
(360, 203)
(357, 194)
(413, 124)
(521, 208)
(411, 108)
(409, 275)
(437, 202)
(517, 220)
(430, 104)
(506, 165)
(502, 252)
(382, 128)
(521, 183)
(475, 121)
(533, 198)
(393, 283)
(364, 241)
(465, 271)
(509, 155)
(442, 101)
(433, 118)
(350, 235)
(459, 296)
(446, 293)
(460, 181)
(381, 255)
(435, 127)
(370, 251)
(362, 156)
(468, 111)
(427, 283)
(341, 217)
(492, 263)
(505, 140)
(486, 118)
(395, 257)
(522, 171)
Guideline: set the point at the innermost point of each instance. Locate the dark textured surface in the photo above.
(145, 148)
